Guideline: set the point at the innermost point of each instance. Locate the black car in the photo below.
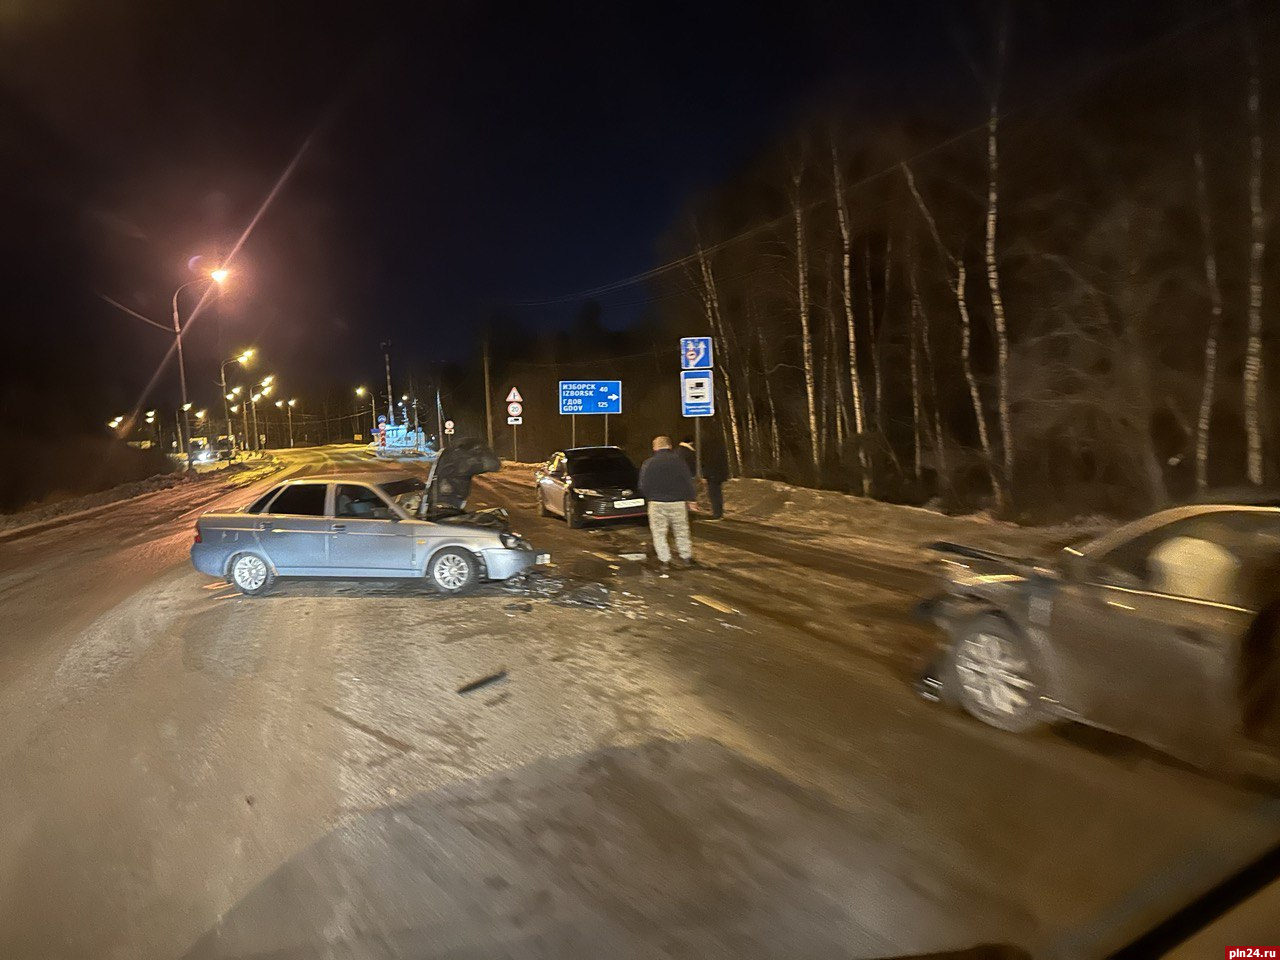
(1166, 630)
(589, 483)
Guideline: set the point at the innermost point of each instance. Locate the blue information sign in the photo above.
(695, 353)
(697, 394)
(590, 396)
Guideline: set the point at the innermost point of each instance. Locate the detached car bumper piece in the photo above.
(502, 563)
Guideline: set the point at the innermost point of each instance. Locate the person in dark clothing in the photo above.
(689, 454)
(667, 485)
(715, 471)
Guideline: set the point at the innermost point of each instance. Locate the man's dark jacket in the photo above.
(665, 479)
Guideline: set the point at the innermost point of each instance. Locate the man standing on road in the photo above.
(715, 470)
(667, 485)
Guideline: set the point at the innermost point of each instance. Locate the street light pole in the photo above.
(242, 359)
(217, 276)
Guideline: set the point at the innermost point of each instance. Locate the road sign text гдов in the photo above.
(590, 396)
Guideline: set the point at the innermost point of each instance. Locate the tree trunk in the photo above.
(939, 445)
(806, 334)
(957, 281)
(1257, 251)
(774, 440)
(993, 284)
(915, 368)
(1209, 384)
(873, 339)
(846, 293)
(711, 302)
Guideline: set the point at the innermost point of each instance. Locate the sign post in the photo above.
(515, 417)
(590, 397)
(697, 388)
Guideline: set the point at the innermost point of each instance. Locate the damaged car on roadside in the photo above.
(1165, 630)
(379, 525)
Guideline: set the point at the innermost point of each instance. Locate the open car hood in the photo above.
(449, 484)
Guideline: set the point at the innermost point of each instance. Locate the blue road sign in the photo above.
(590, 396)
(695, 353)
(697, 394)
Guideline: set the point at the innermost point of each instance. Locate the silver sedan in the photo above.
(357, 526)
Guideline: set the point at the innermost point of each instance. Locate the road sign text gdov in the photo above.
(590, 396)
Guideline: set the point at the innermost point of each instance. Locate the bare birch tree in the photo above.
(1257, 252)
(956, 279)
(846, 294)
(806, 333)
(992, 260)
(1208, 387)
(711, 304)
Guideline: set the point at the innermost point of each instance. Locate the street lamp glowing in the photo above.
(231, 396)
(361, 391)
(219, 275)
(237, 390)
(245, 357)
(280, 404)
(266, 391)
(292, 402)
(200, 414)
(235, 408)
(256, 397)
(186, 407)
(266, 381)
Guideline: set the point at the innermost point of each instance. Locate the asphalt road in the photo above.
(726, 763)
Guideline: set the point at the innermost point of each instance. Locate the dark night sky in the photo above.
(460, 156)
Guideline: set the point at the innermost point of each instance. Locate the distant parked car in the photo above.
(1166, 630)
(583, 484)
(380, 525)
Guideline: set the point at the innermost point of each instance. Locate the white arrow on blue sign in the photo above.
(590, 396)
(695, 353)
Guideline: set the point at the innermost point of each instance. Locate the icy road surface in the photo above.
(729, 763)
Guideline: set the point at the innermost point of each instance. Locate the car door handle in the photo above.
(264, 525)
(338, 526)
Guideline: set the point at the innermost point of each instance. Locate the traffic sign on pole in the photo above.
(514, 396)
(448, 428)
(590, 396)
(695, 353)
(697, 394)
(514, 409)
(515, 421)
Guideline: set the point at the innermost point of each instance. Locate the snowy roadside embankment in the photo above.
(830, 515)
(234, 475)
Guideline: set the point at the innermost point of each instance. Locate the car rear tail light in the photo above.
(199, 539)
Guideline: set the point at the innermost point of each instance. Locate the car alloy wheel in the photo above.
(995, 678)
(451, 571)
(249, 573)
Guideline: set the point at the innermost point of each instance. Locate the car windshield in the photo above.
(406, 493)
(602, 469)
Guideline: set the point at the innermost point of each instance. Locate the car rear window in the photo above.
(301, 500)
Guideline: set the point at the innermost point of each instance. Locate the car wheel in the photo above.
(994, 676)
(571, 515)
(250, 574)
(453, 571)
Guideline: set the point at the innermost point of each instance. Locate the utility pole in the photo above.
(439, 418)
(488, 395)
(391, 405)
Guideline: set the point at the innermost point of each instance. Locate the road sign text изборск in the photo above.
(590, 396)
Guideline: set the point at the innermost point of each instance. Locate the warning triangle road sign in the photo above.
(514, 396)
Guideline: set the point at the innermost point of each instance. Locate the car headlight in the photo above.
(513, 541)
(588, 493)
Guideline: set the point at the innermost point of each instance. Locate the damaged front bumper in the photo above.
(503, 563)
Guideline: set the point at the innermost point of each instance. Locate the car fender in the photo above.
(456, 544)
